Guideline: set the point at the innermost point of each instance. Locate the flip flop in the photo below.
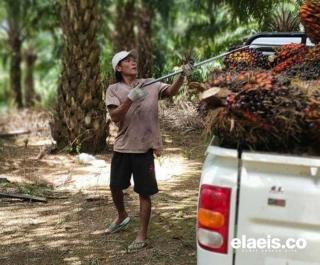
(114, 228)
(136, 246)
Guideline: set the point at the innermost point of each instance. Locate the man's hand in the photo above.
(187, 70)
(156, 153)
(136, 93)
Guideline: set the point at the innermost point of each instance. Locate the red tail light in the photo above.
(213, 218)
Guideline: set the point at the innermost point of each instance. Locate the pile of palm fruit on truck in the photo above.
(270, 102)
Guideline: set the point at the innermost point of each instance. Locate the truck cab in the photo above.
(258, 208)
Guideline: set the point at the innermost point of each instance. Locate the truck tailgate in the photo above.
(279, 198)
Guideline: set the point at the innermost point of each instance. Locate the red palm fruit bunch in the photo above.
(286, 65)
(313, 54)
(310, 18)
(266, 113)
(247, 81)
(220, 78)
(236, 81)
(289, 50)
(243, 59)
(288, 56)
(310, 68)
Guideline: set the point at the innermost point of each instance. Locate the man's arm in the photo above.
(174, 88)
(117, 114)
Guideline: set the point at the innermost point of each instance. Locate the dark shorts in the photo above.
(141, 166)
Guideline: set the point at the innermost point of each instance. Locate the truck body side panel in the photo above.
(279, 198)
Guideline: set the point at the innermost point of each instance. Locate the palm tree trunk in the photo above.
(79, 121)
(145, 45)
(123, 38)
(30, 95)
(15, 62)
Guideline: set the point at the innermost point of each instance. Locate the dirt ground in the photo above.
(68, 229)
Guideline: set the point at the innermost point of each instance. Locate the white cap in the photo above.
(120, 56)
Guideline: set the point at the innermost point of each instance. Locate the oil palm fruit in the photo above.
(288, 56)
(310, 18)
(241, 60)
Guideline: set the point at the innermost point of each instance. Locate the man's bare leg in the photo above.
(145, 212)
(117, 197)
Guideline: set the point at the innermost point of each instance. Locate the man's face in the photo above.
(128, 66)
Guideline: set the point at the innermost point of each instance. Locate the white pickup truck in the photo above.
(258, 208)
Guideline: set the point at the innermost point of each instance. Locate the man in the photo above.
(135, 110)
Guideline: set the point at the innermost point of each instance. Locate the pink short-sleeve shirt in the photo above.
(140, 129)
